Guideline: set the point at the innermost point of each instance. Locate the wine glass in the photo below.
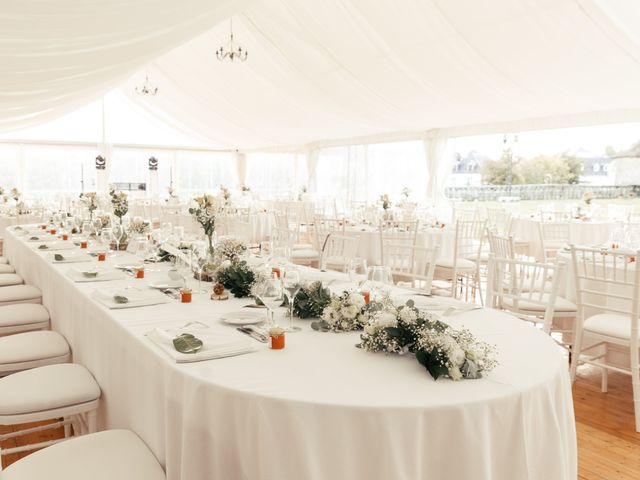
(118, 234)
(266, 248)
(357, 270)
(96, 225)
(183, 266)
(271, 293)
(86, 228)
(291, 283)
(200, 258)
(380, 278)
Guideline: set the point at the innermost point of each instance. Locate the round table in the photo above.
(321, 408)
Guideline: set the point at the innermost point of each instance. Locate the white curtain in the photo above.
(58, 55)
(312, 157)
(439, 160)
(239, 160)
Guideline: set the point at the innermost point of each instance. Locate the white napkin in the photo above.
(70, 257)
(103, 276)
(137, 298)
(54, 246)
(215, 344)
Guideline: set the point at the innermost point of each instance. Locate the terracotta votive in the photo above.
(367, 297)
(277, 338)
(53, 231)
(102, 256)
(83, 244)
(185, 296)
(65, 236)
(140, 273)
(275, 270)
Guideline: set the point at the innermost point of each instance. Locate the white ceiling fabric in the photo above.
(56, 55)
(339, 69)
(334, 71)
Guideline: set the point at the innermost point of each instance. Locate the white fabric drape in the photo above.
(439, 163)
(240, 163)
(58, 55)
(340, 70)
(312, 157)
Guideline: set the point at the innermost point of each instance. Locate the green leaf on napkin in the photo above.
(187, 343)
(120, 299)
(58, 258)
(42, 247)
(90, 274)
(34, 238)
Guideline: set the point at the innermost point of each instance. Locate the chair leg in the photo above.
(92, 421)
(604, 380)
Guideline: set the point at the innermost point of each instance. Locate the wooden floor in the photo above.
(609, 447)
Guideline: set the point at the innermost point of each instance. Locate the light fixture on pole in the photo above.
(231, 52)
(146, 88)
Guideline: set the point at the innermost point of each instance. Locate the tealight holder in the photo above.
(140, 272)
(83, 244)
(53, 231)
(65, 236)
(367, 296)
(185, 295)
(277, 338)
(219, 292)
(102, 256)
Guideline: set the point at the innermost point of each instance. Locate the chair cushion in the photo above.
(303, 246)
(7, 279)
(32, 346)
(47, 388)
(562, 304)
(3, 260)
(5, 268)
(304, 254)
(610, 324)
(463, 263)
(20, 294)
(23, 314)
(107, 455)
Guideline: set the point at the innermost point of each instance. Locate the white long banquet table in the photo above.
(320, 409)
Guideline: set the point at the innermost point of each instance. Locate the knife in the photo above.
(253, 334)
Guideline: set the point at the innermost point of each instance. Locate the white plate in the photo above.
(163, 285)
(244, 317)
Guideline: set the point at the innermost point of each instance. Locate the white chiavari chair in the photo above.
(501, 246)
(336, 252)
(464, 266)
(398, 233)
(555, 216)
(529, 290)
(411, 265)
(553, 237)
(608, 293)
(499, 220)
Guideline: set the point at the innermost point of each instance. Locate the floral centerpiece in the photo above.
(237, 277)
(442, 350)
(139, 227)
(385, 202)
(344, 313)
(311, 300)
(302, 192)
(245, 189)
(230, 249)
(405, 193)
(15, 194)
(225, 193)
(587, 197)
(172, 191)
(120, 203)
(205, 214)
(90, 200)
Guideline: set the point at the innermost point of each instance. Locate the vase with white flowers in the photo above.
(204, 212)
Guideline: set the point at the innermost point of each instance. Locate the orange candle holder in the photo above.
(185, 295)
(276, 271)
(43, 227)
(140, 273)
(53, 231)
(367, 297)
(65, 236)
(277, 338)
(102, 256)
(83, 244)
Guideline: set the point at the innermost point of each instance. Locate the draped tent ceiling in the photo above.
(331, 71)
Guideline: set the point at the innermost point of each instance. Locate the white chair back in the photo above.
(410, 263)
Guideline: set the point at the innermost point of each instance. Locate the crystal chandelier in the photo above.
(146, 88)
(231, 52)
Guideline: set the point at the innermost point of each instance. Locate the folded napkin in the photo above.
(102, 275)
(215, 344)
(41, 237)
(51, 246)
(69, 257)
(134, 298)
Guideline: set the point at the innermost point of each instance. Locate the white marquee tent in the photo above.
(330, 72)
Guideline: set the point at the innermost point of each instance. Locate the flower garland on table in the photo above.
(442, 350)
(90, 200)
(205, 214)
(311, 300)
(238, 277)
(344, 313)
(120, 203)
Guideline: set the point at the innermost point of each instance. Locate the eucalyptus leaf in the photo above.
(90, 274)
(120, 299)
(42, 247)
(58, 258)
(34, 238)
(187, 343)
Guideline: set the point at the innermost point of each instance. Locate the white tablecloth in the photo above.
(580, 233)
(11, 220)
(369, 241)
(320, 409)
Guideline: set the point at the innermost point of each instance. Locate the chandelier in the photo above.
(231, 52)
(146, 88)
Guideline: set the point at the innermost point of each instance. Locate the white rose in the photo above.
(345, 325)
(457, 356)
(408, 316)
(356, 299)
(349, 312)
(369, 329)
(328, 314)
(387, 319)
(455, 373)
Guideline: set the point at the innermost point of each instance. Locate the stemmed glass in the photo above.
(266, 249)
(200, 257)
(118, 233)
(183, 266)
(380, 278)
(96, 225)
(357, 270)
(291, 283)
(271, 293)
